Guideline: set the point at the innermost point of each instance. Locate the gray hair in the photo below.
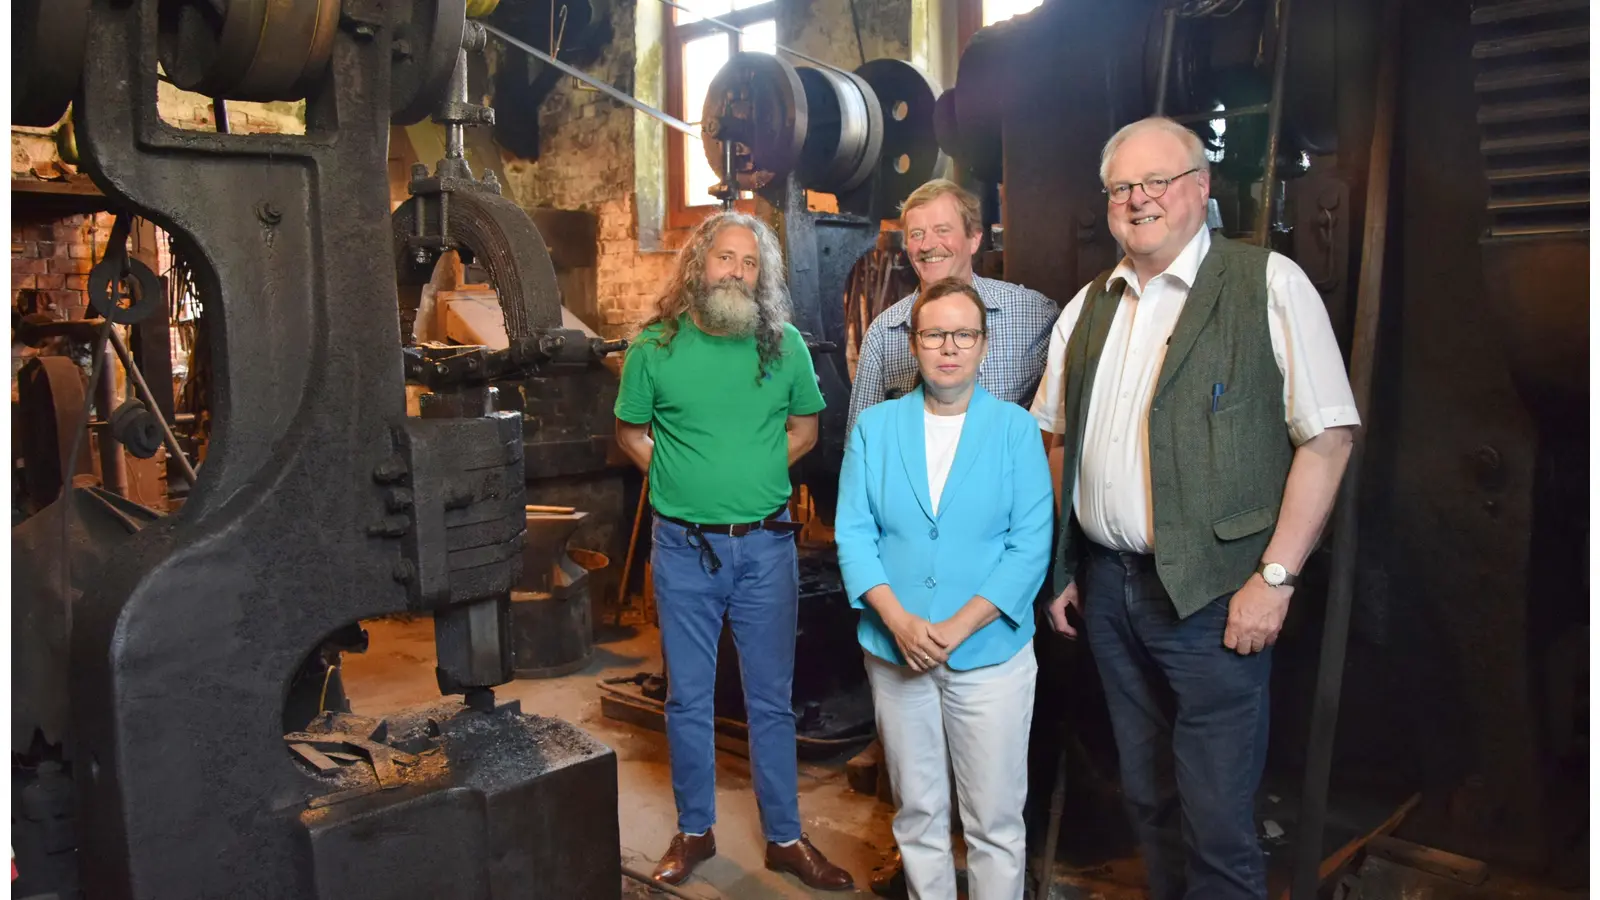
(1191, 142)
(688, 279)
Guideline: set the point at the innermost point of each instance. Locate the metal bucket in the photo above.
(552, 632)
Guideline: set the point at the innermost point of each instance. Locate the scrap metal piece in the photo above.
(315, 757)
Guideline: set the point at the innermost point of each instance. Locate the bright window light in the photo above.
(1000, 10)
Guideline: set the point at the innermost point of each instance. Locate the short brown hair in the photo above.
(946, 287)
(971, 212)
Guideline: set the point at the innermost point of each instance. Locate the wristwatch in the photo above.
(1276, 575)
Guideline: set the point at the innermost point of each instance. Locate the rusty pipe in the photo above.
(1169, 25)
(1269, 174)
(167, 437)
(1363, 350)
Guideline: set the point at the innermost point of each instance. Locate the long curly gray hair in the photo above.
(688, 282)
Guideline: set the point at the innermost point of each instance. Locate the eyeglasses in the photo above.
(1153, 187)
(934, 338)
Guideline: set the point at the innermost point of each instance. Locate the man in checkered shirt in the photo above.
(943, 227)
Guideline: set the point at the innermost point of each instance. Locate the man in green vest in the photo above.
(1199, 420)
(718, 399)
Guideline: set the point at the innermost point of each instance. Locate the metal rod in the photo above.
(740, 32)
(113, 467)
(593, 82)
(219, 112)
(1169, 25)
(1363, 350)
(1269, 175)
(455, 134)
(167, 437)
(662, 886)
(69, 470)
(1052, 836)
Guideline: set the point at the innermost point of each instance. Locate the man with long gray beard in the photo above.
(943, 226)
(727, 385)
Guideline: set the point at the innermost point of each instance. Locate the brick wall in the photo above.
(825, 30)
(587, 163)
(52, 259)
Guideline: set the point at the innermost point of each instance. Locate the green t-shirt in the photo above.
(721, 449)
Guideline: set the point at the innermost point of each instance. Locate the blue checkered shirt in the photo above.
(1019, 341)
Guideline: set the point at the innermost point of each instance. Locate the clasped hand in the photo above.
(925, 645)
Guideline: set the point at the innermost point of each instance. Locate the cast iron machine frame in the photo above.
(320, 502)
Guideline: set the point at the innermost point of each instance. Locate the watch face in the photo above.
(1274, 573)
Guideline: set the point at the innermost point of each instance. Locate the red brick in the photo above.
(61, 266)
(51, 282)
(22, 282)
(77, 282)
(26, 266)
(80, 251)
(69, 303)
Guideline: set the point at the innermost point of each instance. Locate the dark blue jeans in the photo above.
(1190, 719)
(758, 588)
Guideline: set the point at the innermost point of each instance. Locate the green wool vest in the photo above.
(1216, 477)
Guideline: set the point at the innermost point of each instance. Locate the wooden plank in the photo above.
(1345, 854)
(76, 187)
(1430, 859)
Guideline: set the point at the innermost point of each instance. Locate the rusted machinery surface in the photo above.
(320, 502)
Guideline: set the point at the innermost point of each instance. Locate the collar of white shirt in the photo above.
(1184, 269)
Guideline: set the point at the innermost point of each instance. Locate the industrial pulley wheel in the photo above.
(910, 154)
(967, 117)
(758, 103)
(424, 49)
(47, 41)
(247, 49)
(844, 130)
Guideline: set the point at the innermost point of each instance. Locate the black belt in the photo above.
(1132, 562)
(697, 533)
(770, 523)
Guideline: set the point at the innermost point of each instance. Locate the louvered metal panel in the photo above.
(1533, 114)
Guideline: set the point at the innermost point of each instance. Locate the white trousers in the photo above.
(976, 724)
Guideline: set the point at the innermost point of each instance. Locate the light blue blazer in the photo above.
(992, 536)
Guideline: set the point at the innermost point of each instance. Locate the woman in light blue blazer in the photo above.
(944, 530)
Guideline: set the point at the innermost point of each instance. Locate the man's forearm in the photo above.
(1308, 497)
(800, 445)
(1055, 452)
(635, 442)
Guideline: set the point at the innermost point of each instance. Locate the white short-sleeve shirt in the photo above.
(1112, 489)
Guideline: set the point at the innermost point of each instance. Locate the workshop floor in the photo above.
(853, 829)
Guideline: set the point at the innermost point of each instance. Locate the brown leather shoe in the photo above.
(807, 863)
(685, 852)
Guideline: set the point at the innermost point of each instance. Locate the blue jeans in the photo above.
(1190, 719)
(758, 588)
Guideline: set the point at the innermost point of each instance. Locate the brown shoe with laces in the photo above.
(685, 852)
(807, 863)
